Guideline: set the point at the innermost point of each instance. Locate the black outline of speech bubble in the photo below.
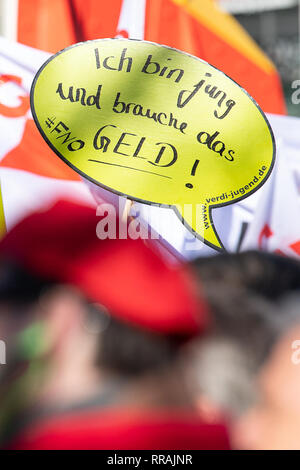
(179, 215)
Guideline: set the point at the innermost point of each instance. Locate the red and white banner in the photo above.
(30, 173)
(199, 27)
(275, 226)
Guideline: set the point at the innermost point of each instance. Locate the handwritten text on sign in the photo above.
(155, 124)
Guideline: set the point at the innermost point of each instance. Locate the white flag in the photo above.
(275, 226)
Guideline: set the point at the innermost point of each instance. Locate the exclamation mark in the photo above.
(193, 172)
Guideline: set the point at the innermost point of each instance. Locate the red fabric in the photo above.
(78, 21)
(95, 19)
(166, 23)
(34, 155)
(46, 25)
(128, 276)
(169, 24)
(125, 430)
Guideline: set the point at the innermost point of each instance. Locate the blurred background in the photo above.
(125, 361)
(273, 24)
(255, 42)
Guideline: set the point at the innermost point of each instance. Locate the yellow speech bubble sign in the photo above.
(154, 124)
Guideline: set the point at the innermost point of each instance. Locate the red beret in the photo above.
(129, 277)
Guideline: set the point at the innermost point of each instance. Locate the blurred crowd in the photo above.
(110, 344)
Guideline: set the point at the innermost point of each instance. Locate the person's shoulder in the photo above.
(124, 429)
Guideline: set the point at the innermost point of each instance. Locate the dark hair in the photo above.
(249, 320)
(20, 286)
(266, 274)
(130, 351)
(244, 292)
(243, 333)
(241, 289)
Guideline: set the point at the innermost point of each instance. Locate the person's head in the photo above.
(49, 351)
(266, 274)
(245, 292)
(79, 343)
(273, 422)
(227, 358)
(91, 307)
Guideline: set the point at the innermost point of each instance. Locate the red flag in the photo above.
(197, 27)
